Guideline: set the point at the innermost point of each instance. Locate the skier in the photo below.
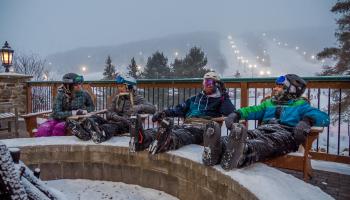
(286, 119)
(126, 103)
(198, 110)
(71, 100)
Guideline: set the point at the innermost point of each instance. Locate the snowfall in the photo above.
(263, 181)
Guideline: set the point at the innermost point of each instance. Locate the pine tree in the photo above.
(109, 71)
(157, 66)
(237, 74)
(132, 69)
(341, 55)
(192, 66)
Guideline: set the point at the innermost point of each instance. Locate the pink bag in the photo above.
(51, 127)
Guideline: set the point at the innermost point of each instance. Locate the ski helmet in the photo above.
(72, 78)
(126, 79)
(292, 84)
(212, 75)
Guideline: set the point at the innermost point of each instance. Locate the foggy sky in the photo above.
(47, 26)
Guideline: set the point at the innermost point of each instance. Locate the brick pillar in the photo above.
(13, 88)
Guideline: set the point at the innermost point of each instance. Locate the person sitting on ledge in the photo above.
(286, 119)
(70, 100)
(126, 103)
(198, 110)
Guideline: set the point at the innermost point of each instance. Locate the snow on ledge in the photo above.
(263, 181)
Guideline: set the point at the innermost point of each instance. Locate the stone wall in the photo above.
(174, 175)
(13, 89)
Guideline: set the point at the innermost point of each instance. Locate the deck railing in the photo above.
(323, 92)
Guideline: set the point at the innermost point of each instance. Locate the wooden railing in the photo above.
(323, 92)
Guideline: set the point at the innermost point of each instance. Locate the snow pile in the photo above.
(263, 181)
(92, 190)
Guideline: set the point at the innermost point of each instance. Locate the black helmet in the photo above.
(293, 85)
(72, 78)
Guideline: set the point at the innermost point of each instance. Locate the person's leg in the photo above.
(59, 129)
(45, 129)
(77, 129)
(270, 141)
(140, 139)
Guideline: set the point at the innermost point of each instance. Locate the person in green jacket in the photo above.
(285, 120)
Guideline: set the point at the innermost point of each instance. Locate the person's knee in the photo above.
(59, 129)
(45, 129)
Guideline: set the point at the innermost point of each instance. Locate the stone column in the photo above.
(13, 88)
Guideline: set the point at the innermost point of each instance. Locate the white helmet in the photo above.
(212, 75)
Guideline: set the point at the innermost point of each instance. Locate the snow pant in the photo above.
(265, 142)
(51, 127)
(181, 135)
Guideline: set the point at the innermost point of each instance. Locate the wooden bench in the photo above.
(298, 161)
(9, 114)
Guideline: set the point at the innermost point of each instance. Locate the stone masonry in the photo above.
(13, 89)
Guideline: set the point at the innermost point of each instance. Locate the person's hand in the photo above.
(79, 112)
(301, 130)
(158, 116)
(231, 118)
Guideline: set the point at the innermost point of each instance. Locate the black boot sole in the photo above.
(212, 144)
(234, 147)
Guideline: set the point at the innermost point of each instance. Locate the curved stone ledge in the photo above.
(179, 173)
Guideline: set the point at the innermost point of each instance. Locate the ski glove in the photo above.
(79, 112)
(158, 116)
(232, 118)
(302, 129)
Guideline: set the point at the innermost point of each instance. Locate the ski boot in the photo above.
(234, 151)
(162, 139)
(212, 144)
(137, 135)
(78, 130)
(92, 126)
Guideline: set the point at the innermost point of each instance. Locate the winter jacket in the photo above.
(121, 107)
(203, 106)
(291, 112)
(64, 104)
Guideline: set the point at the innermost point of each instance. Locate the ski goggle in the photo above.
(281, 80)
(76, 80)
(208, 82)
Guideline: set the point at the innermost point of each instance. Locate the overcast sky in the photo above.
(47, 26)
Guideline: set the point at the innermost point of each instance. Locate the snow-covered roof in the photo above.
(263, 181)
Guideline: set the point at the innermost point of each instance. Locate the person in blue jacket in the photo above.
(212, 102)
(286, 119)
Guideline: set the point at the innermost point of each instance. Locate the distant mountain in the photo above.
(94, 57)
(278, 58)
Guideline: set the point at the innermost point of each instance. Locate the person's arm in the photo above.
(254, 112)
(143, 106)
(226, 107)
(57, 108)
(314, 115)
(179, 111)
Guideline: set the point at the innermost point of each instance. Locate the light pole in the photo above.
(6, 56)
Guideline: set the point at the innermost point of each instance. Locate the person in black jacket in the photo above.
(212, 102)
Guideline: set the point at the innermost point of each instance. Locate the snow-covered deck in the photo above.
(263, 181)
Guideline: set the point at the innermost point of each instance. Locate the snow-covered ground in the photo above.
(263, 181)
(93, 190)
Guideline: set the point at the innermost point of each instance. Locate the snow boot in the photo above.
(162, 140)
(212, 144)
(234, 151)
(77, 130)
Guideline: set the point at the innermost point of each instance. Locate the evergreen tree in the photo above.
(157, 66)
(109, 71)
(192, 66)
(237, 74)
(340, 54)
(132, 69)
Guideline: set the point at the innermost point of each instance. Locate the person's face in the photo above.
(122, 88)
(208, 86)
(77, 87)
(278, 89)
